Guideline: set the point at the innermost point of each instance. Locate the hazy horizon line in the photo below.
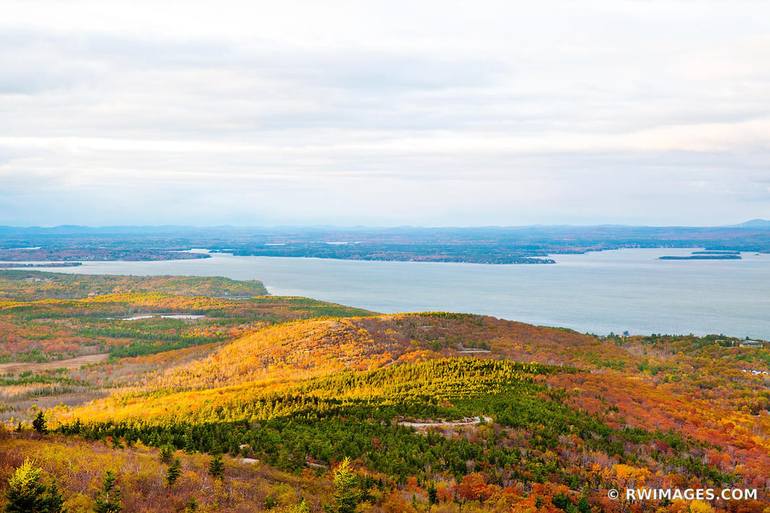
(748, 223)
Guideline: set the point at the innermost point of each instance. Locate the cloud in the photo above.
(392, 112)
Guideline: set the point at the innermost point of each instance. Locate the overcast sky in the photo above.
(384, 113)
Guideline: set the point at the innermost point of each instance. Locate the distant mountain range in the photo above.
(763, 224)
(72, 229)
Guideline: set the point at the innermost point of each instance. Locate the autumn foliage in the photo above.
(295, 405)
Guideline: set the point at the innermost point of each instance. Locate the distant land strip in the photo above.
(482, 245)
(712, 256)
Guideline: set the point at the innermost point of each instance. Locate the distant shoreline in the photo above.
(533, 245)
(15, 265)
(702, 255)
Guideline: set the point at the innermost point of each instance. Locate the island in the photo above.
(16, 265)
(695, 256)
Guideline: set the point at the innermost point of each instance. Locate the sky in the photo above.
(363, 112)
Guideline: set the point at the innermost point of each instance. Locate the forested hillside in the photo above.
(203, 402)
(28, 285)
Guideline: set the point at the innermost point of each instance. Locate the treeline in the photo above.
(359, 414)
(30, 285)
(145, 342)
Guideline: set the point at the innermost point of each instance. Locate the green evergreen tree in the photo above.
(217, 467)
(39, 424)
(432, 493)
(583, 506)
(270, 502)
(54, 500)
(346, 492)
(109, 499)
(174, 471)
(302, 507)
(27, 493)
(166, 454)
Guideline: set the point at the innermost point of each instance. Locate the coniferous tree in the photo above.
(346, 492)
(166, 454)
(27, 493)
(217, 467)
(270, 502)
(432, 493)
(174, 471)
(39, 424)
(109, 499)
(302, 507)
(54, 500)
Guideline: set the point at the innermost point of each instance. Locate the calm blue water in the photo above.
(621, 290)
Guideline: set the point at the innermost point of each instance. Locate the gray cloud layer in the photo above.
(384, 112)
